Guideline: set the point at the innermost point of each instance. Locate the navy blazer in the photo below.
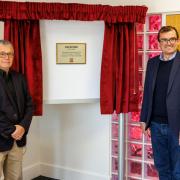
(12, 113)
(172, 97)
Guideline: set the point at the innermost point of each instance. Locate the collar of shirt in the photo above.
(4, 74)
(171, 58)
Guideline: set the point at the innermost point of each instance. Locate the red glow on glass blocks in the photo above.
(135, 168)
(151, 171)
(140, 42)
(115, 148)
(140, 79)
(139, 27)
(148, 152)
(155, 22)
(152, 54)
(115, 130)
(135, 116)
(135, 133)
(115, 177)
(135, 150)
(115, 117)
(153, 42)
(140, 60)
(115, 165)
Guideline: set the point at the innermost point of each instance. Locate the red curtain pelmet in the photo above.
(71, 11)
(25, 36)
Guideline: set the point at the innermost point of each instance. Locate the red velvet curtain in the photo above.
(119, 70)
(119, 63)
(25, 36)
(71, 11)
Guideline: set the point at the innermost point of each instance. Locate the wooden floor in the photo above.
(44, 178)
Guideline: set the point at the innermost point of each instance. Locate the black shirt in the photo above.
(9, 84)
(159, 108)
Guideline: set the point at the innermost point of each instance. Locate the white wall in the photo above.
(31, 161)
(71, 81)
(1, 30)
(74, 138)
(74, 141)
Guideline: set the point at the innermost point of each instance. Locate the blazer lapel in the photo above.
(7, 92)
(174, 69)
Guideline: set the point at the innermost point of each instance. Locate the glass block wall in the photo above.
(139, 157)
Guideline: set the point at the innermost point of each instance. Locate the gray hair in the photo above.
(5, 42)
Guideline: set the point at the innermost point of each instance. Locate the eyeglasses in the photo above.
(170, 40)
(4, 54)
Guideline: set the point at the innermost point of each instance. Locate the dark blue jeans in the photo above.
(166, 151)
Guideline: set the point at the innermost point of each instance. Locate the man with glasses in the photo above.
(161, 105)
(16, 112)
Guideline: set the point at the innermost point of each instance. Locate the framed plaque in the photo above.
(71, 53)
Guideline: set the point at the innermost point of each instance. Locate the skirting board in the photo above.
(59, 172)
(31, 172)
(65, 173)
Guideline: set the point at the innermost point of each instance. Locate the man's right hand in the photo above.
(143, 128)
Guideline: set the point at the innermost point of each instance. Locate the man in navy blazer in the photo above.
(16, 112)
(161, 105)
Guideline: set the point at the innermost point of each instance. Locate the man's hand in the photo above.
(143, 127)
(18, 133)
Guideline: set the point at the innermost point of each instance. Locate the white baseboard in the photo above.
(65, 173)
(31, 172)
(59, 172)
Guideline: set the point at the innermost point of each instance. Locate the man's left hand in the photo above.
(18, 133)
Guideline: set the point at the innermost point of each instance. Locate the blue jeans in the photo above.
(166, 151)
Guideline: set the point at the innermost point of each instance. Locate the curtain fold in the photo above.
(119, 70)
(71, 11)
(25, 36)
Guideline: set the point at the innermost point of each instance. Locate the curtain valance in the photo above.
(71, 11)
